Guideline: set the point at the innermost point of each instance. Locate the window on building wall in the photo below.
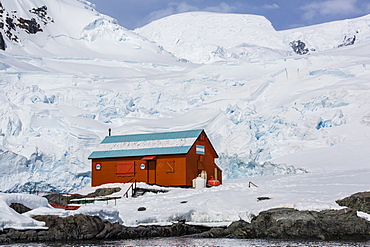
(126, 169)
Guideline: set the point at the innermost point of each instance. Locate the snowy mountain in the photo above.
(202, 37)
(266, 109)
(69, 28)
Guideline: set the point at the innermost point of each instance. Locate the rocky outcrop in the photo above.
(288, 223)
(5, 240)
(60, 199)
(299, 47)
(359, 202)
(278, 223)
(104, 191)
(42, 14)
(64, 199)
(30, 26)
(2, 42)
(13, 23)
(348, 41)
(82, 227)
(142, 191)
(19, 208)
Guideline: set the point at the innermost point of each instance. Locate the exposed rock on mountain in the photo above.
(348, 41)
(41, 12)
(299, 47)
(13, 23)
(30, 26)
(2, 42)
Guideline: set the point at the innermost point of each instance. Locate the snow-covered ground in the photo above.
(216, 206)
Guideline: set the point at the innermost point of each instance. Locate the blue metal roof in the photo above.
(139, 152)
(146, 151)
(153, 136)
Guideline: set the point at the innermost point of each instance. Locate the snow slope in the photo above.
(266, 109)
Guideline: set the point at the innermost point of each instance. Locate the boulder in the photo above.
(5, 240)
(77, 227)
(19, 208)
(82, 227)
(359, 202)
(289, 223)
(278, 223)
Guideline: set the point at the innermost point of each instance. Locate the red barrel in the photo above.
(213, 182)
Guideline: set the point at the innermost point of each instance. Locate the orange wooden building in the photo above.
(168, 159)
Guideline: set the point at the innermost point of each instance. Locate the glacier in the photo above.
(266, 109)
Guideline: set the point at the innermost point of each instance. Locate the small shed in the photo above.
(168, 159)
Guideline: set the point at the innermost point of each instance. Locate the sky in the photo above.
(283, 14)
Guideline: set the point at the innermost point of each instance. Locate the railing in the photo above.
(251, 183)
(132, 188)
(93, 199)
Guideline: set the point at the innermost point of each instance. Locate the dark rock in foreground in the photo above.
(19, 208)
(278, 223)
(359, 201)
(288, 223)
(82, 227)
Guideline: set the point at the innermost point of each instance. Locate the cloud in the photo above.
(221, 8)
(270, 6)
(329, 7)
(183, 7)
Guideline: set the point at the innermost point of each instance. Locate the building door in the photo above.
(151, 172)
